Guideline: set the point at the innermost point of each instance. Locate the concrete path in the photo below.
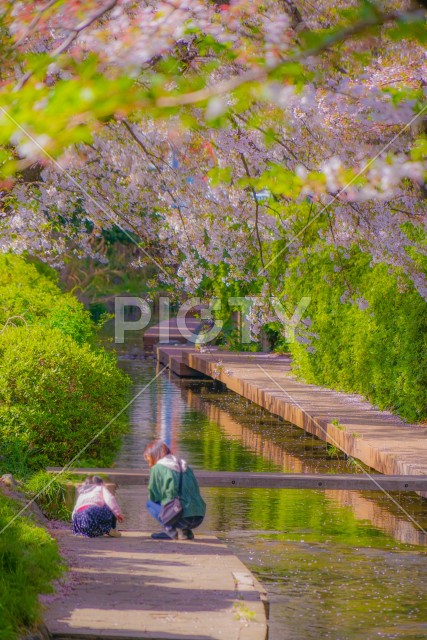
(134, 587)
(378, 438)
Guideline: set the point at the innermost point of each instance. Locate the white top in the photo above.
(97, 496)
(171, 462)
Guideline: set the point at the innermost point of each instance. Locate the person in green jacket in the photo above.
(163, 486)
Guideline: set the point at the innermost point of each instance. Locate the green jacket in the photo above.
(164, 483)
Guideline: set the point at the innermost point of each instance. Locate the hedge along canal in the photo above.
(336, 564)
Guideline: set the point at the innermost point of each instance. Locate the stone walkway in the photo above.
(134, 587)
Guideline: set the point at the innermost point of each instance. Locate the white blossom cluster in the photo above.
(195, 198)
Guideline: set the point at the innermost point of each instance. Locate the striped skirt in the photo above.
(94, 521)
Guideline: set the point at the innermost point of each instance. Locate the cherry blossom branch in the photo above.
(410, 214)
(337, 253)
(298, 22)
(148, 153)
(159, 171)
(35, 21)
(350, 182)
(74, 33)
(261, 74)
(112, 216)
(254, 195)
(276, 138)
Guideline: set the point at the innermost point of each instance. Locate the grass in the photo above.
(29, 562)
(242, 612)
(51, 492)
(333, 452)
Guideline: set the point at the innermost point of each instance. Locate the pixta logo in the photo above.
(134, 314)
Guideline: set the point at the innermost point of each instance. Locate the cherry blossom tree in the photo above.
(216, 135)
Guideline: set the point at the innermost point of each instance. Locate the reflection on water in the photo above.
(334, 562)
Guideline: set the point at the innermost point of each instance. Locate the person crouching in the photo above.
(96, 510)
(163, 486)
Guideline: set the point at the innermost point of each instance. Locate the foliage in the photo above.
(223, 139)
(333, 452)
(29, 297)
(50, 493)
(366, 330)
(58, 389)
(274, 333)
(200, 128)
(248, 47)
(14, 458)
(113, 272)
(29, 561)
(57, 395)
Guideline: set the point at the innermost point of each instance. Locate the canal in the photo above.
(342, 565)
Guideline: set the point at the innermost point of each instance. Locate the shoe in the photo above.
(113, 533)
(162, 536)
(185, 534)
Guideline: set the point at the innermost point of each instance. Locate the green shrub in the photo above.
(30, 297)
(29, 561)
(377, 348)
(14, 458)
(98, 311)
(56, 395)
(50, 493)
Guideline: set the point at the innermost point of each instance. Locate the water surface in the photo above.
(337, 564)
